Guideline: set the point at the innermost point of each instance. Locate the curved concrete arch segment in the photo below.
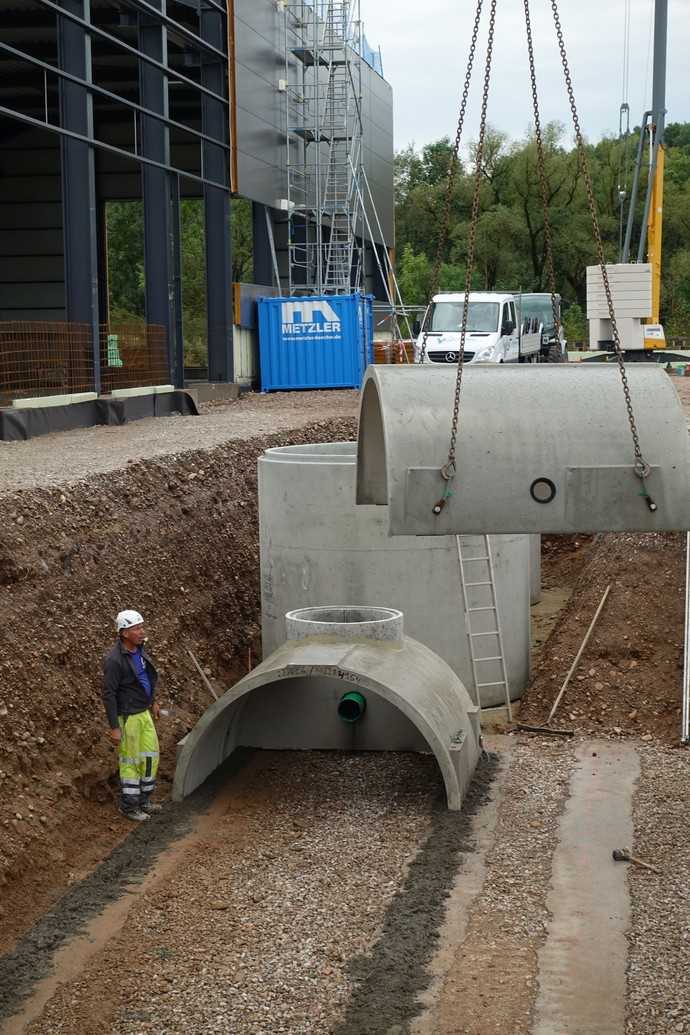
(540, 449)
(414, 703)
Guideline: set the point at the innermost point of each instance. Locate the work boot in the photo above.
(137, 815)
(151, 806)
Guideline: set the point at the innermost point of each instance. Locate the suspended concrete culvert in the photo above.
(540, 449)
(317, 544)
(346, 679)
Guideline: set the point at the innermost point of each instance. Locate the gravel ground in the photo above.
(659, 955)
(280, 918)
(491, 987)
(72, 455)
(255, 932)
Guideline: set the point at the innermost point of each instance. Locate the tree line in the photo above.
(510, 245)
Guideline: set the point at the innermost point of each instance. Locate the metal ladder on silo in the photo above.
(481, 609)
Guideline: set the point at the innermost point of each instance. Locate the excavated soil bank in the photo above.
(628, 682)
(176, 537)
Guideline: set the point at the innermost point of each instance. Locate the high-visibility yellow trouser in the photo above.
(138, 759)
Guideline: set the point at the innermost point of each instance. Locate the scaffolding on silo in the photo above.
(323, 88)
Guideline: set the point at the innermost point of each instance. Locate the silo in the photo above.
(535, 568)
(318, 547)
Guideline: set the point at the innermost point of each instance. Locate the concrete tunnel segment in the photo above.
(541, 449)
(414, 701)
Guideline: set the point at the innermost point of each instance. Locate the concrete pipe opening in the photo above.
(352, 706)
(397, 696)
(346, 622)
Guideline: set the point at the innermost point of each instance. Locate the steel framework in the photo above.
(104, 77)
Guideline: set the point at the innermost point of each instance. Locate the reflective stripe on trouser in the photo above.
(138, 759)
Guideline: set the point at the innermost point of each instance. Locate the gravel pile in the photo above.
(257, 929)
(254, 933)
(659, 956)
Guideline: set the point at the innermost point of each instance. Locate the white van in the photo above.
(536, 306)
(493, 333)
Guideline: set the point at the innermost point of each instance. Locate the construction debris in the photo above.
(623, 855)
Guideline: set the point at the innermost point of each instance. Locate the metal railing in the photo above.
(39, 359)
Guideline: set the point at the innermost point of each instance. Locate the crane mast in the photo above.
(653, 125)
(655, 191)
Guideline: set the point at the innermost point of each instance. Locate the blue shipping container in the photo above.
(322, 341)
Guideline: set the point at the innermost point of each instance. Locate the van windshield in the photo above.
(447, 316)
(539, 306)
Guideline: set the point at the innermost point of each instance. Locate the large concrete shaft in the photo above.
(414, 702)
(317, 545)
(540, 449)
(534, 569)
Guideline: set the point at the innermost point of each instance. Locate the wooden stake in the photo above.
(203, 675)
(578, 655)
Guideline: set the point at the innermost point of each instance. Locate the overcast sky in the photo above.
(425, 43)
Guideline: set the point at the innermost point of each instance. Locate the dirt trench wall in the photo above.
(176, 538)
(629, 680)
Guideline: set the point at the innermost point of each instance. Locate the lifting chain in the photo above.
(541, 170)
(449, 468)
(641, 466)
(452, 175)
(448, 471)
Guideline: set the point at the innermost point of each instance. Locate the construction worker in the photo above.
(129, 687)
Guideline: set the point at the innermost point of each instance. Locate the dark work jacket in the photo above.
(123, 694)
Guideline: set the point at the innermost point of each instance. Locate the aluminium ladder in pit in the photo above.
(482, 619)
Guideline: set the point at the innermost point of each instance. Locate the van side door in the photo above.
(510, 334)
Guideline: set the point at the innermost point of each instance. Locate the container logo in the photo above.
(310, 318)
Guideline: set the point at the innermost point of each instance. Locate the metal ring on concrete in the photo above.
(540, 449)
(414, 701)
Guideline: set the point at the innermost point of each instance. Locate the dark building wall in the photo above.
(260, 121)
(261, 114)
(32, 285)
(377, 111)
(32, 245)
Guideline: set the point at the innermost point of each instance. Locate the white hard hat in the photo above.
(126, 619)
